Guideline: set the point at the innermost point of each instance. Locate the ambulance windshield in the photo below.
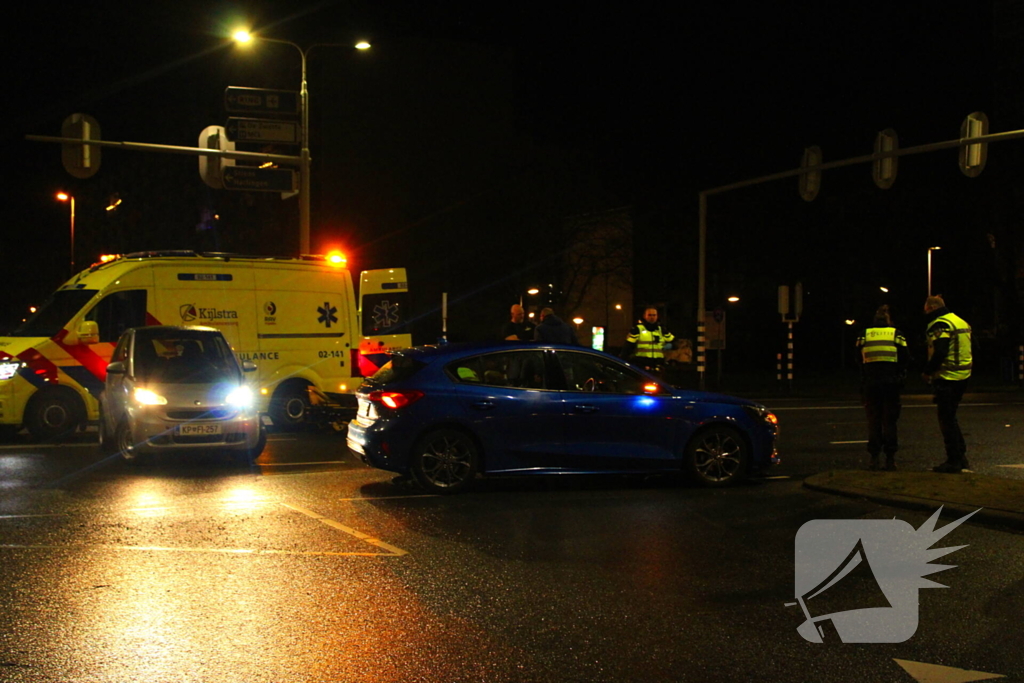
(53, 315)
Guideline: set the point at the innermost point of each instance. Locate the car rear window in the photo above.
(398, 368)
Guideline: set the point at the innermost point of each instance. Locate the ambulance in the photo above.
(296, 318)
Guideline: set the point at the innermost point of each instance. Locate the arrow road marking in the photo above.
(933, 673)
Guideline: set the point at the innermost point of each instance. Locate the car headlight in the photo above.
(149, 398)
(9, 369)
(240, 397)
(761, 413)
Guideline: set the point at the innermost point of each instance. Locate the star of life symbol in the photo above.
(327, 312)
(857, 580)
(385, 314)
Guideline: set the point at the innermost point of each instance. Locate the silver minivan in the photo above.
(176, 389)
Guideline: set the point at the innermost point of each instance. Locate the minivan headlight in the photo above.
(149, 398)
(9, 369)
(240, 397)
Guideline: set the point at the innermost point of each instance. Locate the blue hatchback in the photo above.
(444, 414)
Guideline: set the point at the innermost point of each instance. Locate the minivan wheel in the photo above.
(289, 407)
(717, 456)
(53, 414)
(445, 461)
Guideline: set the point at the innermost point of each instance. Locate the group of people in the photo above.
(885, 359)
(645, 343)
(550, 330)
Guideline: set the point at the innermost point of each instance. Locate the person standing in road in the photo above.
(884, 358)
(948, 369)
(646, 342)
(518, 329)
(552, 330)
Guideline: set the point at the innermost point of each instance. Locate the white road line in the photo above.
(291, 464)
(780, 476)
(1014, 466)
(905, 406)
(834, 443)
(235, 551)
(392, 550)
(45, 446)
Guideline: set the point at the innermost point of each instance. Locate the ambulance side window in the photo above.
(119, 311)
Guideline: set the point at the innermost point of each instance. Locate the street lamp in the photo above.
(243, 37)
(930, 250)
(65, 197)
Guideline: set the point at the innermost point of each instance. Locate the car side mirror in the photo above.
(116, 368)
(89, 332)
(248, 366)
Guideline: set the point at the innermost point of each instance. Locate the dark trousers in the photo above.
(947, 396)
(882, 404)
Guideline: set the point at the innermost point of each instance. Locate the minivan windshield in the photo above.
(55, 313)
(187, 358)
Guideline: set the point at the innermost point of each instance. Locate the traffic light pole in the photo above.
(866, 158)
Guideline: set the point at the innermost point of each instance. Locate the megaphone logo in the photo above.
(857, 579)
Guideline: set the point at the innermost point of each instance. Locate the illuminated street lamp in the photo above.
(242, 37)
(65, 197)
(930, 250)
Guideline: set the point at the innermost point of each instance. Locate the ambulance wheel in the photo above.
(53, 414)
(289, 407)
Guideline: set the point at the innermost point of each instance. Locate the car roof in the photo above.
(161, 330)
(444, 352)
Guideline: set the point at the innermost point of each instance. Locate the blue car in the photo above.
(445, 414)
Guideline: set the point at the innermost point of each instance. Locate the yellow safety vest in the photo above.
(957, 363)
(649, 344)
(880, 345)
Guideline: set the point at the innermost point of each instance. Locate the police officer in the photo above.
(948, 369)
(646, 342)
(884, 357)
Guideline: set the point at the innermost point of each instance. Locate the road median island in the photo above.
(1001, 500)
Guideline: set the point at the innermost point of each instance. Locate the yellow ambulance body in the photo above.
(296, 318)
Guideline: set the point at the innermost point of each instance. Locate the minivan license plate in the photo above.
(199, 430)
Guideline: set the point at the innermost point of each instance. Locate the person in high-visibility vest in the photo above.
(948, 369)
(646, 341)
(884, 358)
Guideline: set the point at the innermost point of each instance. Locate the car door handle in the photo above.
(484, 404)
(584, 409)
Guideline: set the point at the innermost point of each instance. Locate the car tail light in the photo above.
(395, 399)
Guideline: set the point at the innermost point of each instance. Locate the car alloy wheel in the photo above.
(125, 442)
(445, 461)
(717, 456)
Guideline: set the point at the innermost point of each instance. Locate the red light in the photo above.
(651, 388)
(770, 417)
(395, 399)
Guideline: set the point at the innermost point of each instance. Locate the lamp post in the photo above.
(930, 250)
(65, 197)
(243, 37)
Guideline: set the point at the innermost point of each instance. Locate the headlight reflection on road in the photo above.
(243, 500)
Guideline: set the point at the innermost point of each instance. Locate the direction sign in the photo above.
(259, 179)
(261, 101)
(262, 130)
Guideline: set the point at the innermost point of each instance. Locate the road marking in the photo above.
(780, 476)
(835, 443)
(1016, 466)
(46, 446)
(934, 673)
(392, 550)
(905, 406)
(292, 464)
(235, 551)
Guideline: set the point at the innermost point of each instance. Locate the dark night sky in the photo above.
(440, 137)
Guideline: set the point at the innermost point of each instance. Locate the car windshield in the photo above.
(184, 358)
(55, 313)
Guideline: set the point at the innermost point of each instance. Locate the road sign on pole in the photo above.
(261, 101)
(81, 160)
(259, 179)
(262, 130)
